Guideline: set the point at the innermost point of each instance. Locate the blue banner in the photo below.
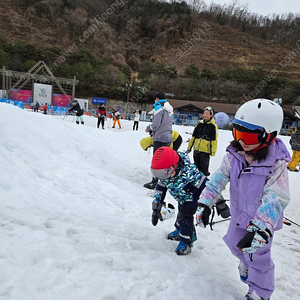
(13, 102)
(59, 110)
(97, 101)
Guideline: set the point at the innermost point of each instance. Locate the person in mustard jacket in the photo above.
(204, 141)
(295, 143)
(175, 145)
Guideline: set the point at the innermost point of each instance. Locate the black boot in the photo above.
(152, 184)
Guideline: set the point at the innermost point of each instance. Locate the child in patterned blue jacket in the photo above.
(185, 183)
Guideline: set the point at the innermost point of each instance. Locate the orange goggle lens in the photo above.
(249, 138)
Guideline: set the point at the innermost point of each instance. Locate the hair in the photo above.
(259, 155)
(160, 95)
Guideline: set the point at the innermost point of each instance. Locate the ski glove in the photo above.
(156, 214)
(202, 215)
(254, 239)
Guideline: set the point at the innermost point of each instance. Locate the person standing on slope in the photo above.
(116, 116)
(255, 166)
(204, 141)
(136, 120)
(101, 113)
(295, 143)
(161, 127)
(79, 112)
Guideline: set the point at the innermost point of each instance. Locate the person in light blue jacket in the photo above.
(255, 166)
(160, 128)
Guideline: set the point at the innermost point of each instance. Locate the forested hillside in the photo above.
(188, 49)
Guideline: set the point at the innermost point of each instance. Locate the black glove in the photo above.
(202, 215)
(156, 207)
(254, 239)
(188, 151)
(222, 208)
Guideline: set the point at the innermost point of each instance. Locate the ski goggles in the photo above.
(162, 173)
(209, 109)
(249, 137)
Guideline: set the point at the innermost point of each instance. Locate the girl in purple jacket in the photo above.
(255, 166)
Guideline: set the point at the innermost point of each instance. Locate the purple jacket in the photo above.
(258, 193)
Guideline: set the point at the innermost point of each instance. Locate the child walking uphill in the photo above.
(185, 183)
(255, 166)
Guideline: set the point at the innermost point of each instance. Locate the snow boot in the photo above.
(152, 184)
(254, 296)
(183, 248)
(174, 235)
(243, 272)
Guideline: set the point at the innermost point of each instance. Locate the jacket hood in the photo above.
(163, 104)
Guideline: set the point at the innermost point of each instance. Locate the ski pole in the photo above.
(291, 222)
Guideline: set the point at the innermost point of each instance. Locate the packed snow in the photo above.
(75, 219)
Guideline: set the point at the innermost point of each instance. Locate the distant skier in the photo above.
(45, 109)
(136, 120)
(116, 116)
(79, 112)
(101, 113)
(295, 143)
(37, 106)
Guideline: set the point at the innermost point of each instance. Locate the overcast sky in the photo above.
(266, 7)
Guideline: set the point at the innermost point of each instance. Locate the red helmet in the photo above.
(164, 161)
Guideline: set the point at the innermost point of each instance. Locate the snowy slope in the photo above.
(75, 220)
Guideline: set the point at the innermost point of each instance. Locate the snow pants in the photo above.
(118, 121)
(261, 269)
(201, 160)
(101, 120)
(294, 161)
(135, 125)
(185, 221)
(79, 118)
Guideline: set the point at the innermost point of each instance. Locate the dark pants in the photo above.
(185, 221)
(100, 120)
(201, 160)
(157, 145)
(136, 125)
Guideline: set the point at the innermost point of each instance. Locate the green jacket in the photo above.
(204, 137)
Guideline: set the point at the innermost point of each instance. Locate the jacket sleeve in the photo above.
(276, 196)
(157, 120)
(214, 141)
(191, 142)
(160, 192)
(217, 184)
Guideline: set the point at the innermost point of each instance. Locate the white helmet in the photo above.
(167, 211)
(262, 113)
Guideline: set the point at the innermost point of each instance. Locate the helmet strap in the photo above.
(267, 141)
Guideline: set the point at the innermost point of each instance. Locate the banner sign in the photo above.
(21, 95)
(61, 100)
(42, 93)
(59, 110)
(13, 102)
(97, 101)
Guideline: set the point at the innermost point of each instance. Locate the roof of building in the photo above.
(197, 106)
(230, 109)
